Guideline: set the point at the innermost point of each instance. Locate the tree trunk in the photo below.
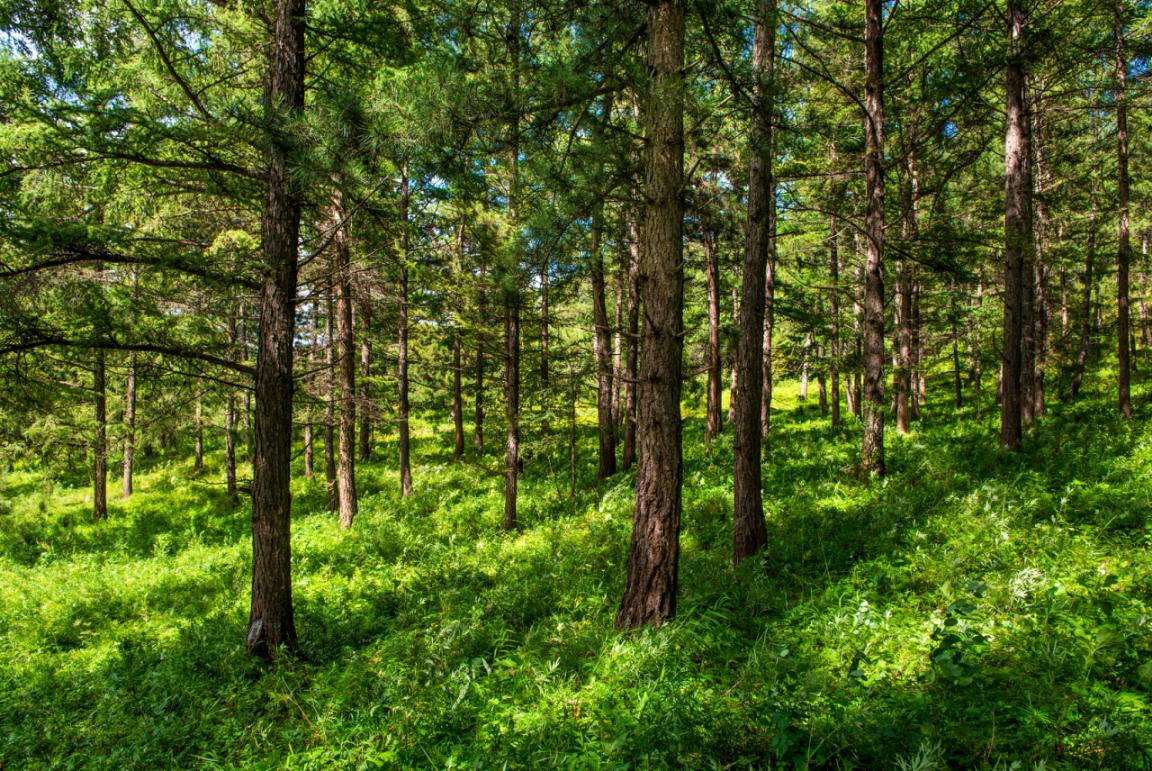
(230, 449)
(957, 380)
(605, 425)
(309, 428)
(1086, 305)
(199, 452)
(653, 558)
(364, 324)
(100, 440)
(346, 352)
(1017, 232)
(511, 295)
(618, 334)
(834, 266)
(129, 426)
(733, 354)
(457, 398)
(713, 424)
(632, 344)
(330, 407)
(1124, 248)
(478, 414)
(873, 444)
(270, 623)
(769, 309)
(402, 347)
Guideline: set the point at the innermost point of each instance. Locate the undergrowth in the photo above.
(973, 609)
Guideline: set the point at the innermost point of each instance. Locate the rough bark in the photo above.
(834, 269)
(309, 428)
(873, 403)
(653, 558)
(510, 292)
(270, 624)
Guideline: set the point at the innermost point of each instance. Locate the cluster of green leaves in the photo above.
(973, 609)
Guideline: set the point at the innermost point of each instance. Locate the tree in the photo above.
(653, 558)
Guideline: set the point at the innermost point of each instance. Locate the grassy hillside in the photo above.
(974, 609)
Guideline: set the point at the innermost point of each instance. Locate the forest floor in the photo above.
(973, 609)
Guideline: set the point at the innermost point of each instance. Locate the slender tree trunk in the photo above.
(230, 449)
(617, 346)
(309, 428)
(1086, 306)
(346, 345)
(632, 345)
(457, 399)
(1017, 233)
(712, 269)
(545, 374)
(511, 296)
(478, 413)
(1124, 248)
(834, 267)
(606, 427)
(402, 347)
(364, 325)
(654, 555)
(957, 380)
(129, 426)
(873, 444)
(769, 309)
(733, 354)
(100, 441)
(330, 407)
(270, 623)
(199, 451)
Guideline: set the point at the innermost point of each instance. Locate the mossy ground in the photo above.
(973, 609)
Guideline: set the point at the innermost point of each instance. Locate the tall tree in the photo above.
(653, 558)
(749, 534)
(873, 407)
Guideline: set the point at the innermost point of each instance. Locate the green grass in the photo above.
(974, 609)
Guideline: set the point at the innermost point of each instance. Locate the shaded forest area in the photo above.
(750, 383)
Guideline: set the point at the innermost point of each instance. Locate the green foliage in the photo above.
(972, 610)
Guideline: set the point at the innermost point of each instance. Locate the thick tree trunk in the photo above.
(1124, 247)
(769, 314)
(632, 345)
(270, 623)
(873, 407)
(713, 424)
(601, 339)
(654, 555)
(1017, 233)
(346, 345)
(129, 427)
